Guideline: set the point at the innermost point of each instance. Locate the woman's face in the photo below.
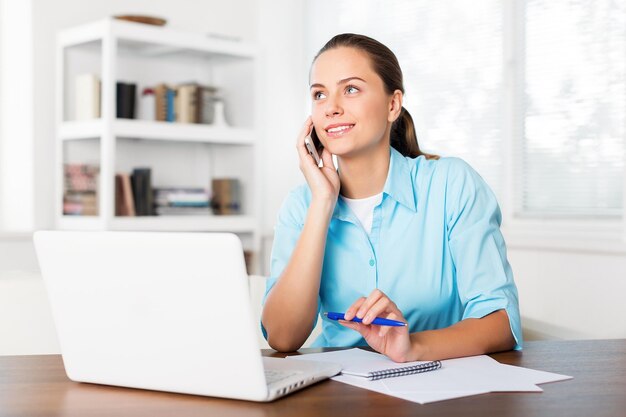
(351, 109)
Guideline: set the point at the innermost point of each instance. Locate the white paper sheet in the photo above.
(457, 378)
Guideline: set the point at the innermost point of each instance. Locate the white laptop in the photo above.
(162, 311)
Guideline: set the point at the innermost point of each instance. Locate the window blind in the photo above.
(571, 161)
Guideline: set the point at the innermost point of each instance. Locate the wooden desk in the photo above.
(37, 386)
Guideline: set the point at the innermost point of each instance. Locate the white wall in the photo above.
(16, 116)
(282, 37)
(571, 294)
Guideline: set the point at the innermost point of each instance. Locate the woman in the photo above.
(393, 233)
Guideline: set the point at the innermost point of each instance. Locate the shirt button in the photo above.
(372, 262)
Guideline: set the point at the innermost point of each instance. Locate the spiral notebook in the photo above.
(370, 365)
(382, 371)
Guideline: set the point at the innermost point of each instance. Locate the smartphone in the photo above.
(316, 142)
(313, 146)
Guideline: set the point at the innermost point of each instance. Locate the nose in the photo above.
(333, 107)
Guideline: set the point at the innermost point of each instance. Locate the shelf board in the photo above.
(153, 130)
(87, 129)
(68, 222)
(154, 40)
(214, 223)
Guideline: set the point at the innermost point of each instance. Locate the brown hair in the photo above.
(385, 64)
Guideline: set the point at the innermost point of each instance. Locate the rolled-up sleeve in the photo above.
(289, 225)
(483, 275)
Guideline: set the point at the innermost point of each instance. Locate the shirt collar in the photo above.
(399, 186)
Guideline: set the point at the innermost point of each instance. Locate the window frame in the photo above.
(548, 232)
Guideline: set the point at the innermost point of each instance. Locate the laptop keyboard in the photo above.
(272, 376)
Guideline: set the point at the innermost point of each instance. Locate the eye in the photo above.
(318, 95)
(351, 89)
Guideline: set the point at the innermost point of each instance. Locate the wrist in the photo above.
(419, 351)
(323, 206)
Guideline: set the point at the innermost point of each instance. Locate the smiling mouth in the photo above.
(337, 131)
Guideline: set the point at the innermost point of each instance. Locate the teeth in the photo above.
(339, 128)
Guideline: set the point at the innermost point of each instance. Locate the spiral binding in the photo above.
(407, 370)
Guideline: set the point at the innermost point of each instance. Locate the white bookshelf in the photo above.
(179, 154)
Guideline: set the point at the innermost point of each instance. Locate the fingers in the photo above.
(362, 306)
(351, 311)
(306, 131)
(381, 308)
(361, 328)
(392, 316)
(327, 159)
(377, 304)
(367, 305)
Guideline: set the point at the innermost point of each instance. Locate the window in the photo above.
(572, 156)
(560, 120)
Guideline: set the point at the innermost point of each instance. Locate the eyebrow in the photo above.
(345, 80)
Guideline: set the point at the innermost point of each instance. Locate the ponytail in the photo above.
(404, 138)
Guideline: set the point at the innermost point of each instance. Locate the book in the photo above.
(80, 204)
(142, 191)
(125, 100)
(80, 189)
(183, 211)
(170, 95)
(87, 97)
(124, 200)
(119, 203)
(205, 108)
(371, 366)
(174, 201)
(160, 101)
(186, 99)
(374, 373)
(226, 196)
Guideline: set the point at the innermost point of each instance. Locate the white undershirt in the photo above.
(363, 208)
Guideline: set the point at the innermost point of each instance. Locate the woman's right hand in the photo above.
(324, 182)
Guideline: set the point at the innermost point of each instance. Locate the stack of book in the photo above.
(188, 102)
(182, 201)
(134, 194)
(80, 196)
(185, 103)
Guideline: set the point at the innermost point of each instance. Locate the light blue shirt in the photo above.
(435, 249)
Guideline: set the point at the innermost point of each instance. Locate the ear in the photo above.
(395, 106)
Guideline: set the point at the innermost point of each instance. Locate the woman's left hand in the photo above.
(388, 340)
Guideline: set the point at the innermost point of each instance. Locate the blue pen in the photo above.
(378, 320)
